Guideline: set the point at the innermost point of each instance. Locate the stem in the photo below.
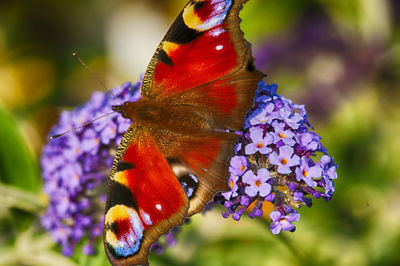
(295, 250)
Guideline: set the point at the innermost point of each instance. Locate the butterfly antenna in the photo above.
(75, 55)
(80, 127)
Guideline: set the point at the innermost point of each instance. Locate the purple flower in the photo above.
(298, 196)
(72, 149)
(279, 145)
(90, 141)
(257, 183)
(238, 165)
(88, 249)
(307, 173)
(292, 114)
(108, 133)
(233, 186)
(329, 166)
(284, 160)
(286, 136)
(283, 222)
(263, 116)
(259, 142)
(310, 141)
(123, 124)
(328, 175)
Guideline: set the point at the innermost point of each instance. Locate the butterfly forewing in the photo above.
(203, 44)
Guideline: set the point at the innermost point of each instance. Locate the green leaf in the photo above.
(17, 166)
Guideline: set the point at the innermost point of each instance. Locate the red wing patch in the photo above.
(211, 56)
(144, 201)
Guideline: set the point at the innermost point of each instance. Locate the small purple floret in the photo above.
(283, 222)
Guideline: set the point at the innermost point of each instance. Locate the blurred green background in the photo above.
(339, 57)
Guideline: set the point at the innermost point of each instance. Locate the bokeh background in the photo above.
(339, 57)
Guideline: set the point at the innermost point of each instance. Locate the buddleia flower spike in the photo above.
(279, 165)
(75, 168)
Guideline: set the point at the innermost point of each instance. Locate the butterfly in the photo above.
(174, 157)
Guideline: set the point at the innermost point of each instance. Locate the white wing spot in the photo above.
(219, 47)
(145, 217)
(158, 207)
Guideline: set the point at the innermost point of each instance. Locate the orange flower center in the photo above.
(258, 183)
(305, 173)
(284, 161)
(282, 135)
(231, 184)
(260, 145)
(242, 168)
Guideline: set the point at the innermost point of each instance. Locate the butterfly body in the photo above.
(179, 118)
(175, 156)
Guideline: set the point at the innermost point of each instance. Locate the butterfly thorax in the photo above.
(177, 118)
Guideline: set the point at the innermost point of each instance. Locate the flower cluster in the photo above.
(75, 168)
(279, 163)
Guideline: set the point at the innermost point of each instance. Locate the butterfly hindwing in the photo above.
(204, 154)
(144, 200)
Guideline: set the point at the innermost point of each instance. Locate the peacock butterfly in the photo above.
(175, 155)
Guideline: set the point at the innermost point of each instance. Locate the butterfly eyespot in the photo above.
(123, 231)
(188, 181)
